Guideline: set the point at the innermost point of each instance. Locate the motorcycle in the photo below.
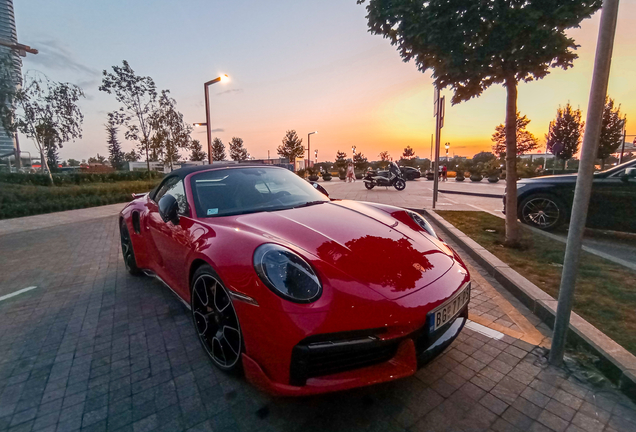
(392, 177)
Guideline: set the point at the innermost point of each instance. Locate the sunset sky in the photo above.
(305, 65)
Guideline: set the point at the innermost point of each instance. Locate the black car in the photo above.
(546, 202)
(410, 173)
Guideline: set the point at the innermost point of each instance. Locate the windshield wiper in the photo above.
(309, 203)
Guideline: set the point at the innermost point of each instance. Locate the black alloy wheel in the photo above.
(127, 251)
(215, 320)
(399, 184)
(369, 185)
(542, 211)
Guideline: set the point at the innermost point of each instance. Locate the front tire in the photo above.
(542, 211)
(369, 185)
(215, 320)
(127, 251)
(399, 184)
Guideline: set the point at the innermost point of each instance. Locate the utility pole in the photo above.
(439, 124)
(598, 92)
(620, 158)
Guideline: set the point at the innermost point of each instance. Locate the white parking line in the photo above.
(493, 334)
(13, 294)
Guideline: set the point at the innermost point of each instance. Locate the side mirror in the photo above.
(169, 209)
(320, 189)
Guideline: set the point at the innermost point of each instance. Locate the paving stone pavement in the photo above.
(94, 349)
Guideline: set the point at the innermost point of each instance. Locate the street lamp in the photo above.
(309, 147)
(447, 146)
(353, 150)
(316, 155)
(222, 78)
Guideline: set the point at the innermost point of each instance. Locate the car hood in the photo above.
(364, 242)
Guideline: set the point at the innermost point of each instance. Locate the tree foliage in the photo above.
(611, 131)
(237, 151)
(170, 132)
(45, 111)
(360, 162)
(98, 159)
(408, 153)
(114, 146)
(526, 141)
(471, 45)
(196, 151)
(73, 162)
(138, 96)
(483, 157)
(292, 146)
(132, 156)
(566, 131)
(341, 160)
(218, 150)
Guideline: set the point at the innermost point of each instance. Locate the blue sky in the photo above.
(304, 64)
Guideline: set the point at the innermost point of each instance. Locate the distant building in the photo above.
(8, 34)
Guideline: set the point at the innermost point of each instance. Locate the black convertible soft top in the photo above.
(183, 172)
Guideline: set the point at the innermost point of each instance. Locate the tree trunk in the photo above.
(512, 228)
(602, 164)
(147, 158)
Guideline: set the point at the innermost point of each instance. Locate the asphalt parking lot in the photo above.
(93, 348)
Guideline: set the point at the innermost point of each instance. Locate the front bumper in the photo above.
(319, 367)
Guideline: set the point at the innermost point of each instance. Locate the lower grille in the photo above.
(327, 356)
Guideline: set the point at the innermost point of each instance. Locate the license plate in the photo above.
(449, 309)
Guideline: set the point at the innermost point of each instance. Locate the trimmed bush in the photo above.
(64, 179)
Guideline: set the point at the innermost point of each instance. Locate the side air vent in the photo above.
(136, 223)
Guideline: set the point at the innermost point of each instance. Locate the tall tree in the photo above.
(292, 146)
(408, 153)
(237, 151)
(611, 131)
(138, 96)
(44, 111)
(197, 153)
(360, 162)
(484, 43)
(526, 141)
(218, 150)
(114, 146)
(384, 158)
(341, 160)
(565, 133)
(170, 132)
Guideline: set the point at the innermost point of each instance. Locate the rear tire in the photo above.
(399, 184)
(369, 185)
(542, 211)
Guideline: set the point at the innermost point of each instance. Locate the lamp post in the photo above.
(447, 146)
(316, 156)
(222, 78)
(309, 147)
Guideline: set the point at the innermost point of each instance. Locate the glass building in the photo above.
(8, 34)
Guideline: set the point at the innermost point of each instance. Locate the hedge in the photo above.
(21, 200)
(61, 179)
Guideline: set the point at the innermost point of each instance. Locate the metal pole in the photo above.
(620, 158)
(585, 176)
(207, 121)
(436, 160)
(308, 148)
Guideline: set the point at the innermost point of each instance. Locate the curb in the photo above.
(616, 362)
(479, 194)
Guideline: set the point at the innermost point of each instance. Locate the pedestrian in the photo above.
(444, 173)
(351, 175)
(439, 172)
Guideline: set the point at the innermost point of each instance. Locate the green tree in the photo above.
(138, 96)
(341, 160)
(237, 151)
(385, 157)
(170, 132)
(565, 133)
(218, 150)
(73, 162)
(526, 141)
(611, 131)
(114, 146)
(360, 162)
(197, 153)
(408, 153)
(98, 159)
(484, 157)
(132, 156)
(44, 111)
(292, 146)
(471, 45)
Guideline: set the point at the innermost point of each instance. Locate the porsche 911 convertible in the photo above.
(301, 293)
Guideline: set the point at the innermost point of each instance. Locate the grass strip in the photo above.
(605, 292)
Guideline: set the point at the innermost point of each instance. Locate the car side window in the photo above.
(178, 192)
(164, 188)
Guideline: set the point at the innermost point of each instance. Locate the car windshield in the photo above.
(233, 191)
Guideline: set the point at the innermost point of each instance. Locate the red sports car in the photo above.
(305, 294)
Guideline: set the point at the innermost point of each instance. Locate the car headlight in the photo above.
(286, 274)
(423, 223)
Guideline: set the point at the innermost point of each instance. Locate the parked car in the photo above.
(304, 294)
(410, 173)
(546, 202)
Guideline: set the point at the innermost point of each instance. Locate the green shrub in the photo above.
(65, 179)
